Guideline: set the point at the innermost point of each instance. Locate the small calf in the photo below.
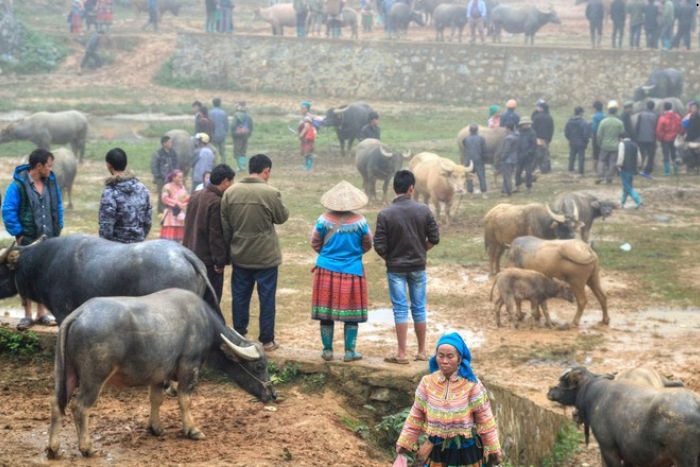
(515, 285)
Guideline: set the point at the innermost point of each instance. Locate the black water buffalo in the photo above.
(585, 208)
(183, 146)
(375, 162)
(348, 120)
(450, 16)
(62, 273)
(401, 15)
(663, 83)
(505, 222)
(521, 20)
(634, 425)
(146, 341)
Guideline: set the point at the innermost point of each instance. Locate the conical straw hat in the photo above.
(344, 197)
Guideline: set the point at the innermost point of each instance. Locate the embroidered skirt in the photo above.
(172, 232)
(459, 451)
(339, 297)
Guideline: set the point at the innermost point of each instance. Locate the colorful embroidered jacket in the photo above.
(341, 241)
(449, 408)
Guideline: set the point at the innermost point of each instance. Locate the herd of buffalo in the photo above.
(158, 329)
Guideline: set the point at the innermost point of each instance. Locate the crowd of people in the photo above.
(665, 23)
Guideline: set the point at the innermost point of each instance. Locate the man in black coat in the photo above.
(543, 125)
(651, 24)
(595, 12)
(578, 133)
(617, 14)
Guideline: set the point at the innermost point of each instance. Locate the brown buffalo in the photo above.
(505, 222)
(572, 261)
(515, 285)
(646, 376)
(438, 180)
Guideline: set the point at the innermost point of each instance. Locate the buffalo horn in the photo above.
(648, 87)
(557, 217)
(384, 152)
(340, 112)
(470, 168)
(5, 253)
(575, 211)
(406, 155)
(246, 353)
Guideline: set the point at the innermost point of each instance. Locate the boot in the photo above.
(327, 340)
(350, 332)
(667, 168)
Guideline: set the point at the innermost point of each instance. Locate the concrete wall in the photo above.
(452, 73)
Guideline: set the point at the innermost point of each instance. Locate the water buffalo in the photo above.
(164, 6)
(45, 129)
(634, 425)
(572, 261)
(183, 146)
(428, 7)
(348, 121)
(65, 167)
(505, 222)
(375, 162)
(663, 83)
(646, 376)
(677, 104)
(401, 15)
(438, 179)
(278, 16)
(515, 285)
(62, 273)
(585, 208)
(494, 144)
(517, 20)
(452, 16)
(147, 341)
(350, 19)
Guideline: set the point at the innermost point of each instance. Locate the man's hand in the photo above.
(428, 246)
(495, 458)
(219, 270)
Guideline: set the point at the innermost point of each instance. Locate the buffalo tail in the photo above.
(63, 373)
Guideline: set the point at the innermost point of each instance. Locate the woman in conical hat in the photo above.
(340, 238)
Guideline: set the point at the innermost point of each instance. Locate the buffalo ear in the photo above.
(595, 204)
(12, 259)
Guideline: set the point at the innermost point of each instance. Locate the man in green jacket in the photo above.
(609, 133)
(249, 211)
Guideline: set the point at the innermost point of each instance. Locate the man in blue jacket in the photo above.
(32, 208)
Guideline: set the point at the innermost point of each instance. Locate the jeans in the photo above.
(476, 25)
(628, 189)
(480, 170)
(301, 23)
(606, 165)
(577, 153)
(596, 28)
(669, 151)
(635, 35)
(617, 34)
(242, 284)
(507, 172)
(526, 163)
(683, 34)
(652, 35)
(648, 151)
(543, 160)
(221, 147)
(226, 20)
(416, 282)
(217, 282)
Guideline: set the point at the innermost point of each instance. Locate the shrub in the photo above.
(18, 343)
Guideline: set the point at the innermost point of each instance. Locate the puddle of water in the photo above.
(13, 115)
(151, 117)
(16, 313)
(380, 324)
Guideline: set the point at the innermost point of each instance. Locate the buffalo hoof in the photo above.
(53, 454)
(605, 322)
(564, 327)
(155, 431)
(195, 434)
(90, 452)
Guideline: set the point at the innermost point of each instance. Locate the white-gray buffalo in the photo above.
(521, 20)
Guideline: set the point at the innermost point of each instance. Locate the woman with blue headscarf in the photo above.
(452, 408)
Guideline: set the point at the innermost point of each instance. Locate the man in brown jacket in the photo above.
(249, 211)
(203, 232)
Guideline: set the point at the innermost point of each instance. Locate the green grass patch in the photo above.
(21, 344)
(567, 444)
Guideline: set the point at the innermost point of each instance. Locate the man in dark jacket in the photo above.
(203, 232)
(527, 148)
(371, 129)
(32, 208)
(510, 115)
(618, 12)
(125, 207)
(651, 24)
(646, 137)
(686, 13)
(219, 118)
(163, 161)
(474, 151)
(627, 120)
(595, 12)
(577, 132)
(543, 125)
(405, 231)
(511, 146)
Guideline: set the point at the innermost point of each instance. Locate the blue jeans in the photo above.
(242, 283)
(416, 283)
(628, 189)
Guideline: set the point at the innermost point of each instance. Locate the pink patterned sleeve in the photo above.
(415, 422)
(483, 418)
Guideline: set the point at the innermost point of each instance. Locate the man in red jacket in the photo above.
(667, 128)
